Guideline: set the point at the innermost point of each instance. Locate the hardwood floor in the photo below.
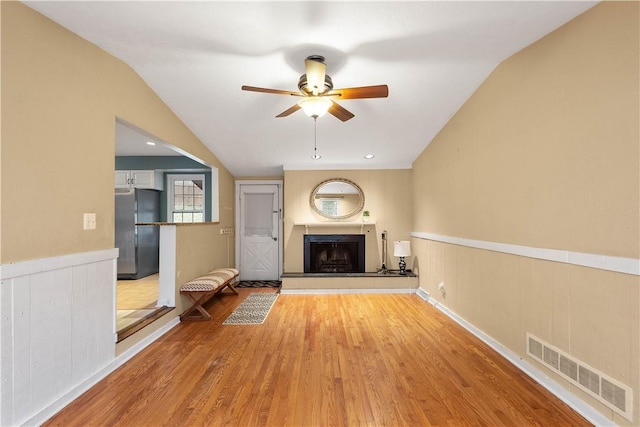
(319, 360)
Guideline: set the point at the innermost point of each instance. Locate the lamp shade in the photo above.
(401, 248)
(315, 106)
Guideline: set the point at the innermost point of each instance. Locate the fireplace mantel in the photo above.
(308, 224)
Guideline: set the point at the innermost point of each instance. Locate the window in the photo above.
(185, 198)
(330, 207)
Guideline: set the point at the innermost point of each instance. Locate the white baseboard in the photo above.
(345, 291)
(77, 391)
(578, 405)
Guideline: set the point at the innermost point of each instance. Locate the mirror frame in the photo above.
(315, 191)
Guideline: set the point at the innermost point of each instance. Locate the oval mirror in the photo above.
(337, 198)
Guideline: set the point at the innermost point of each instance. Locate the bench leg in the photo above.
(197, 305)
(233, 289)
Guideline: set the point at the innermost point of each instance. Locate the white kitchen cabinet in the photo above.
(139, 179)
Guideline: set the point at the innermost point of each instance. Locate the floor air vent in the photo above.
(612, 393)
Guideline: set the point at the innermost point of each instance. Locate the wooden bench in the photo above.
(200, 290)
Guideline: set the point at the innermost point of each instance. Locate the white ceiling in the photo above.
(131, 141)
(197, 55)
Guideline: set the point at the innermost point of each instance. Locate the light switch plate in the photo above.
(89, 221)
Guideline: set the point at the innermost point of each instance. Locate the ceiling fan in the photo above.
(318, 95)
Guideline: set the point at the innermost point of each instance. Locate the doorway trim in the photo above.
(279, 183)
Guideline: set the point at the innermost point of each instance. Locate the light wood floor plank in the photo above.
(136, 300)
(137, 294)
(319, 360)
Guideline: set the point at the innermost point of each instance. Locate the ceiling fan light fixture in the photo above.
(315, 106)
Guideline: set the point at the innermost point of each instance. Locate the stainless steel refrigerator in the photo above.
(139, 244)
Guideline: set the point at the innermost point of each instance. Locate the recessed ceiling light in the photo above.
(369, 156)
(151, 143)
(316, 156)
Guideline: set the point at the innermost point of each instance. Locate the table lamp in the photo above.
(402, 249)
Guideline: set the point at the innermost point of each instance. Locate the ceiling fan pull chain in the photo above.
(315, 139)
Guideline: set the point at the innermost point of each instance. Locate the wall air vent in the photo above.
(569, 368)
(589, 380)
(535, 348)
(551, 357)
(612, 393)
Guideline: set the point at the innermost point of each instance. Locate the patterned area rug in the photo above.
(259, 284)
(253, 310)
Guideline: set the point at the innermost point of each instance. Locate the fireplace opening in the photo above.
(334, 253)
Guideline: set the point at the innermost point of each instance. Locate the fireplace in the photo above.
(334, 253)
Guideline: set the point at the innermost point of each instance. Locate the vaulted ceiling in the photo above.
(196, 56)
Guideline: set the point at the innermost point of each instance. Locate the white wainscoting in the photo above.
(58, 328)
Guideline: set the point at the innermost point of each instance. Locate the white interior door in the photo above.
(259, 232)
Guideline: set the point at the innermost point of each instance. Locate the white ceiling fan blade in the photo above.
(315, 71)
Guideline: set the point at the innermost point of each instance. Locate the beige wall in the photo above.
(545, 154)
(387, 197)
(60, 98)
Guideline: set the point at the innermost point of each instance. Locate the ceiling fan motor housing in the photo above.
(304, 88)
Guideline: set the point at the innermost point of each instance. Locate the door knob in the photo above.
(274, 238)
